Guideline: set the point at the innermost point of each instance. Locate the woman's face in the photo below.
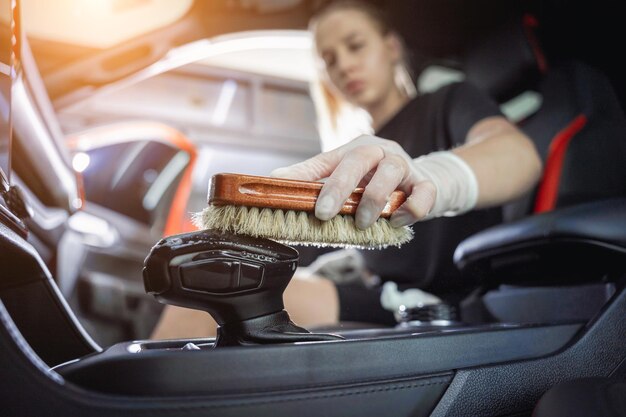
(358, 59)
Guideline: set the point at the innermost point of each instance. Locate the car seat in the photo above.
(579, 129)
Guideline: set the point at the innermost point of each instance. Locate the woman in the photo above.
(362, 58)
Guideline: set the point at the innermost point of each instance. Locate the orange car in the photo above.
(151, 173)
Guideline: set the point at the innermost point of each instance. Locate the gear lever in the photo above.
(239, 280)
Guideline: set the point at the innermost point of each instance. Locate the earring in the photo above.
(404, 81)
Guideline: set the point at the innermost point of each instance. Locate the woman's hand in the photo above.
(381, 166)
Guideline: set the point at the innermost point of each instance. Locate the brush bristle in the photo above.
(301, 228)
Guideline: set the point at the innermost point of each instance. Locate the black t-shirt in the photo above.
(439, 120)
(428, 123)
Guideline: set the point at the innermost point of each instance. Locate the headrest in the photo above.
(507, 61)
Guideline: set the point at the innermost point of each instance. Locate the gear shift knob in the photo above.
(239, 280)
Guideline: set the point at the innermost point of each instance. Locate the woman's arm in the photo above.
(497, 164)
(504, 160)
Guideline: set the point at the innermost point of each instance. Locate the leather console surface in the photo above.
(578, 244)
(26, 377)
(167, 372)
(593, 221)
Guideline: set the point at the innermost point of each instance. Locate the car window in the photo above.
(210, 104)
(132, 178)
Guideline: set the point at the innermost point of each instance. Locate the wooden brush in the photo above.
(283, 210)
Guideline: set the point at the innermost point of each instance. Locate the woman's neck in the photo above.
(385, 109)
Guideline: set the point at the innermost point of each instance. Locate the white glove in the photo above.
(437, 184)
(457, 188)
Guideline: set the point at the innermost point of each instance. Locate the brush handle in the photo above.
(282, 194)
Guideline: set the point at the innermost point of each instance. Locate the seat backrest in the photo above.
(507, 61)
(580, 134)
(579, 130)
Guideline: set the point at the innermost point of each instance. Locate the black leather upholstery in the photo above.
(586, 397)
(36, 305)
(581, 242)
(593, 166)
(28, 388)
(510, 61)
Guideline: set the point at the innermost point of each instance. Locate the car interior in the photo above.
(542, 334)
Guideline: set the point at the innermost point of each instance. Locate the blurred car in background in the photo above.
(136, 180)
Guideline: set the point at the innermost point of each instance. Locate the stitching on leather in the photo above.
(393, 379)
(252, 403)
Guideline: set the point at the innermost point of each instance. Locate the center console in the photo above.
(263, 363)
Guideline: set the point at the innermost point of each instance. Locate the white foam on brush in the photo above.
(298, 227)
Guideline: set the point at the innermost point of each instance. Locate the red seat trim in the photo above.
(549, 186)
(530, 25)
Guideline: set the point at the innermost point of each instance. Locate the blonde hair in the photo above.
(331, 108)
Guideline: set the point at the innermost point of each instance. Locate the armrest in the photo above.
(583, 243)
